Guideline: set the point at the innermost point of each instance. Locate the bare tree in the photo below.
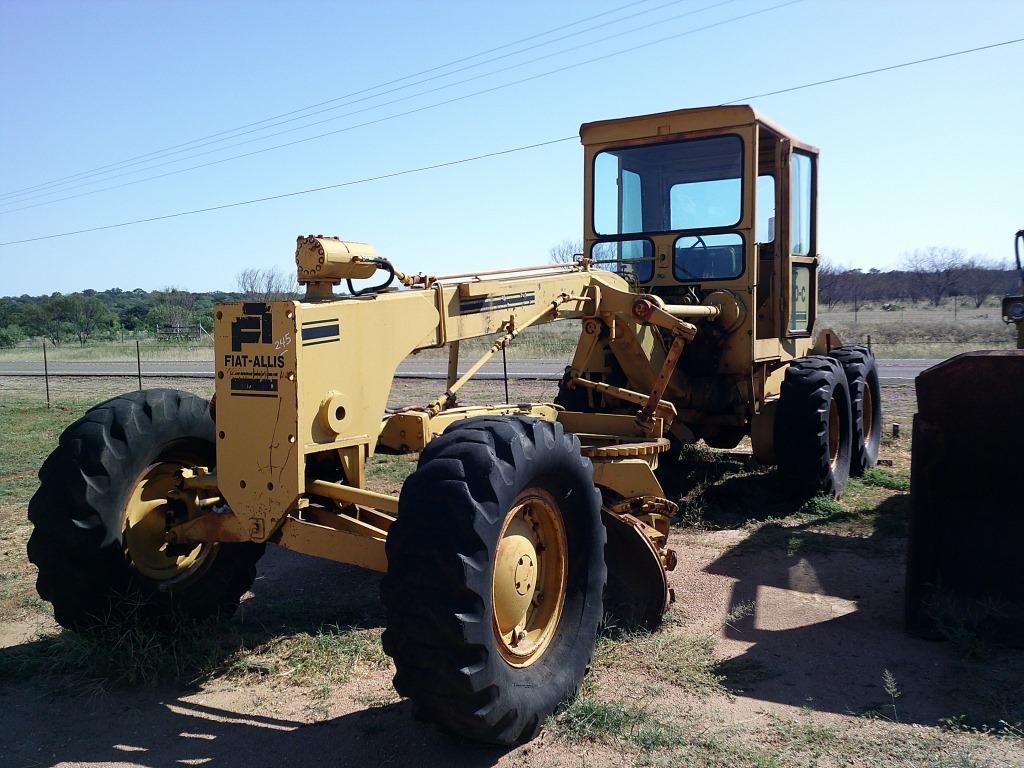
(269, 284)
(566, 251)
(939, 271)
(982, 279)
(830, 283)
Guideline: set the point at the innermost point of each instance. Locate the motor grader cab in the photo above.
(524, 525)
(714, 212)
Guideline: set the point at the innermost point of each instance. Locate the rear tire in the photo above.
(813, 426)
(866, 402)
(442, 593)
(723, 436)
(572, 398)
(80, 542)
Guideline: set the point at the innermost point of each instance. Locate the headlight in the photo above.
(1013, 309)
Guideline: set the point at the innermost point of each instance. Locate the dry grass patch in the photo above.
(329, 656)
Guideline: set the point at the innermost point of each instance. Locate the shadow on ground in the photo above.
(825, 623)
(823, 594)
(160, 732)
(164, 726)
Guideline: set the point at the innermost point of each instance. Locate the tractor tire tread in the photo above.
(77, 514)
(436, 593)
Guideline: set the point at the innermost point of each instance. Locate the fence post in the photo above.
(869, 342)
(138, 361)
(504, 368)
(46, 374)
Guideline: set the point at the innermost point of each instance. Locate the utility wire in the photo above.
(371, 108)
(366, 180)
(889, 68)
(630, 49)
(350, 94)
(461, 161)
(146, 160)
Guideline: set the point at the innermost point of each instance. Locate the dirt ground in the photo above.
(800, 617)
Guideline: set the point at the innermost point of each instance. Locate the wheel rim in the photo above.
(869, 414)
(833, 433)
(144, 528)
(529, 577)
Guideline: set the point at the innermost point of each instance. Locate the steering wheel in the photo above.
(699, 241)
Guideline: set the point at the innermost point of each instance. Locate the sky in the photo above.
(921, 156)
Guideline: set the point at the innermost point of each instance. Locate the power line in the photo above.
(876, 71)
(461, 161)
(268, 198)
(47, 193)
(350, 94)
(39, 191)
(630, 49)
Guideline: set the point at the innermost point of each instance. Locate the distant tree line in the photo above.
(106, 315)
(928, 275)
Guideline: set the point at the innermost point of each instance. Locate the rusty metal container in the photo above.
(965, 569)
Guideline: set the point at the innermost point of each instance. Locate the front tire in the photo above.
(813, 426)
(99, 517)
(495, 577)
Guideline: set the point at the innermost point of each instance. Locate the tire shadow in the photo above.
(53, 720)
(294, 593)
(168, 732)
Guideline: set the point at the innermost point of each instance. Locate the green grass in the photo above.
(124, 654)
(686, 661)
(587, 718)
(107, 351)
(644, 729)
(820, 506)
(326, 657)
(132, 652)
(28, 433)
(385, 472)
(882, 478)
(723, 490)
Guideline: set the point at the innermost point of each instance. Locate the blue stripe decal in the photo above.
(320, 332)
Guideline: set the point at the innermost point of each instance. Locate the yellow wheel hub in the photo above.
(869, 414)
(833, 433)
(528, 581)
(144, 528)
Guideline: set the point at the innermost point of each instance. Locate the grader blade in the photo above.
(966, 528)
(637, 592)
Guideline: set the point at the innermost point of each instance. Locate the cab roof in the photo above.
(677, 122)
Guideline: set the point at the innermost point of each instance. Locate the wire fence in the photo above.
(71, 372)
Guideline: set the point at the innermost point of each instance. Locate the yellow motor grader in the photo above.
(524, 525)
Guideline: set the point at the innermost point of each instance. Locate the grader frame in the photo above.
(302, 388)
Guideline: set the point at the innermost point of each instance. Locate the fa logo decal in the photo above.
(255, 326)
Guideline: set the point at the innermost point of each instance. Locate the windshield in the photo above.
(682, 185)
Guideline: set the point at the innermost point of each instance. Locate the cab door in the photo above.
(799, 278)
